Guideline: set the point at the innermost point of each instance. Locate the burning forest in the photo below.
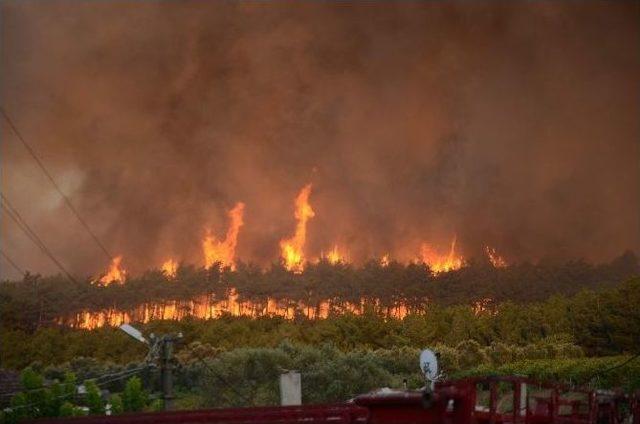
(337, 188)
(220, 254)
(293, 257)
(301, 284)
(366, 133)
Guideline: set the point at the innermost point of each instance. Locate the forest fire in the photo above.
(335, 256)
(223, 251)
(293, 248)
(441, 262)
(207, 307)
(170, 268)
(115, 273)
(496, 260)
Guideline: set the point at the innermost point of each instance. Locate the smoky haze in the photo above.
(512, 125)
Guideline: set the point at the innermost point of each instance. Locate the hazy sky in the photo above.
(513, 125)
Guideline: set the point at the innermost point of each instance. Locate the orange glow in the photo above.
(384, 260)
(441, 263)
(224, 251)
(170, 268)
(115, 273)
(292, 249)
(207, 307)
(484, 306)
(335, 256)
(496, 260)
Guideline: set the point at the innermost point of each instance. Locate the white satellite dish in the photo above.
(429, 364)
(133, 332)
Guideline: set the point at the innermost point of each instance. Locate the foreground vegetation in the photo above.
(214, 377)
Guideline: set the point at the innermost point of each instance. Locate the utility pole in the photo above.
(161, 350)
(166, 369)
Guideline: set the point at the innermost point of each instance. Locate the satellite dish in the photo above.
(429, 364)
(134, 332)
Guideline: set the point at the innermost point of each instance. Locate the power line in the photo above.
(15, 216)
(8, 259)
(606, 370)
(219, 377)
(114, 377)
(110, 378)
(119, 376)
(53, 182)
(18, 220)
(123, 375)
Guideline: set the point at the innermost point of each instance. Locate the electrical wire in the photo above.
(112, 377)
(53, 182)
(119, 376)
(221, 379)
(614, 367)
(22, 224)
(122, 376)
(10, 261)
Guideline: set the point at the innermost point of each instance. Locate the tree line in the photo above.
(604, 322)
(37, 301)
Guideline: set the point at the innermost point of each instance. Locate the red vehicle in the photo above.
(492, 400)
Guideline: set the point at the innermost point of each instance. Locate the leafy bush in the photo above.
(604, 372)
(134, 397)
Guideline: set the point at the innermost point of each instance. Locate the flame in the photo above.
(115, 273)
(496, 260)
(224, 251)
(170, 268)
(293, 248)
(441, 263)
(384, 260)
(209, 307)
(334, 256)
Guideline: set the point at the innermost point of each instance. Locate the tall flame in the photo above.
(441, 263)
(115, 273)
(170, 268)
(334, 256)
(293, 248)
(496, 260)
(224, 251)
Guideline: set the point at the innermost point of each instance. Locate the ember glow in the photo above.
(224, 251)
(292, 249)
(439, 262)
(484, 306)
(496, 260)
(170, 268)
(208, 307)
(116, 274)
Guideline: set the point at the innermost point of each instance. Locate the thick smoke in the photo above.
(513, 125)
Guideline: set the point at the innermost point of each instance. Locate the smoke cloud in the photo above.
(512, 125)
